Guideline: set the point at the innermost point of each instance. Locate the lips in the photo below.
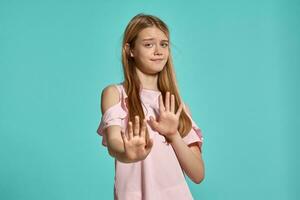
(157, 60)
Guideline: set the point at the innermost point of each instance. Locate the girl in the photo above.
(145, 125)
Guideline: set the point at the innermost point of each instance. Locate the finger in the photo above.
(143, 130)
(154, 123)
(124, 137)
(172, 103)
(167, 101)
(161, 104)
(130, 130)
(179, 110)
(136, 126)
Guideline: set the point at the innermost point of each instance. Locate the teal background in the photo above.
(237, 64)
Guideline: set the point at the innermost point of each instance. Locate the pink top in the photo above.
(159, 176)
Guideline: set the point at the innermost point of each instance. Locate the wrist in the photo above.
(174, 137)
(123, 157)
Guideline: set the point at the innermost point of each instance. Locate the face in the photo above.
(151, 50)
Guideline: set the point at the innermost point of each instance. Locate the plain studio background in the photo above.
(237, 64)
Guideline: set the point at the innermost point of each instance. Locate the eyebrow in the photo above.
(153, 39)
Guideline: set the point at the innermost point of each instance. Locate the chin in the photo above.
(157, 69)
(154, 69)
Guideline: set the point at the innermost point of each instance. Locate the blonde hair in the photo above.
(166, 77)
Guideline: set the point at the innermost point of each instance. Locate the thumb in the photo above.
(149, 144)
(153, 123)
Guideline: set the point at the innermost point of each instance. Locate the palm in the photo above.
(136, 148)
(168, 120)
(167, 123)
(135, 145)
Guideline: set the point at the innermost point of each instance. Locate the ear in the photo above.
(128, 50)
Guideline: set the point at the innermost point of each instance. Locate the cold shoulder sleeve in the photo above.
(195, 135)
(115, 115)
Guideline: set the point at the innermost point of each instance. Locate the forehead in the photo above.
(153, 33)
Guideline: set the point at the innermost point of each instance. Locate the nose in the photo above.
(157, 50)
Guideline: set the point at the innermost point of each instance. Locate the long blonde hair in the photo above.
(166, 77)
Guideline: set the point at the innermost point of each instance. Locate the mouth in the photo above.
(157, 60)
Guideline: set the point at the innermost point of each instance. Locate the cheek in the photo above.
(167, 53)
(145, 57)
(143, 60)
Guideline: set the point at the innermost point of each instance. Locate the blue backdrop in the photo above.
(237, 64)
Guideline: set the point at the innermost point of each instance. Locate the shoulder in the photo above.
(109, 97)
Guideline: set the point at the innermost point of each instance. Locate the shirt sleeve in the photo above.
(195, 134)
(112, 116)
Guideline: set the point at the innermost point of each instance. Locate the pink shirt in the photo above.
(159, 176)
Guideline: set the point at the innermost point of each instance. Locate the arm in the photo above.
(193, 168)
(127, 149)
(115, 145)
(189, 157)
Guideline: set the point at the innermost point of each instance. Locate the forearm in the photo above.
(116, 150)
(189, 162)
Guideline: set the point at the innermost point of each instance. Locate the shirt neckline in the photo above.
(150, 90)
(144, 90)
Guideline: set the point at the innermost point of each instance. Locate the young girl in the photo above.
(145, 124)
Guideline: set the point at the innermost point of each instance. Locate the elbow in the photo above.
(198, 180)
(200, 176)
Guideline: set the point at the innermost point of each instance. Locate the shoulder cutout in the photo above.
(110, 96)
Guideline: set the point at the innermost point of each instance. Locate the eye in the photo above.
(147, 45)
(165, 44)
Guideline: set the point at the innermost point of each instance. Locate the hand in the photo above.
(135, 146)
(168, 120)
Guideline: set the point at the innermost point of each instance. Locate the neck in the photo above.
(148, 81)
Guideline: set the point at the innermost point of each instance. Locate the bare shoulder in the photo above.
(109, 97)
